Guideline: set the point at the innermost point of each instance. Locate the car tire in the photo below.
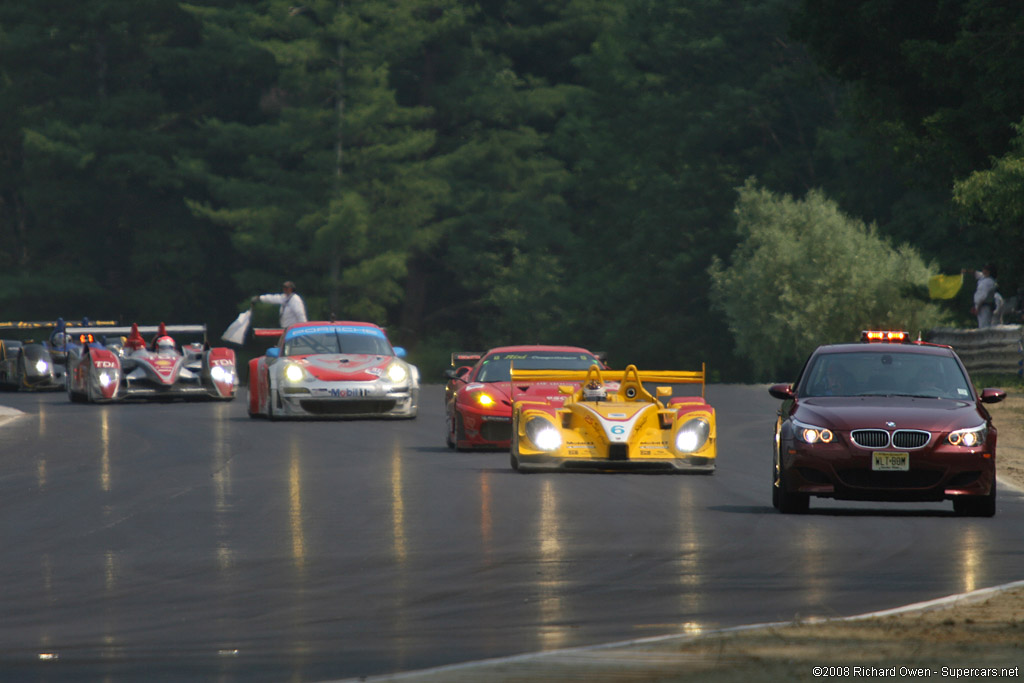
(248, 404)
(73, 396)
(775, 476)
(271, 400)
(448, 430)
(976, 506)
(513, 460)
(22, 374)
(789, 503)
(460, 433)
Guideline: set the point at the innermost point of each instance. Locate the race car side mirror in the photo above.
(992, 395)
(399, 352)
(455, 373)
(273, 352)
(781, 391)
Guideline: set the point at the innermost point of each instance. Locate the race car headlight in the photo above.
(106, 378)
(293, 373)
(692, 436)
(485, 400)
(811, 434)
(543, 434)
(397, 373)
(42, 366)
(221, 374)
(975, 436)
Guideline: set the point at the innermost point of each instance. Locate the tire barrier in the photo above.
(994, 350)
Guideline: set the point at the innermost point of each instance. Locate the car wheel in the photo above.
(976, 506)
(513, 459)
(789, 503)
(73, 395)
(775, 479)
(271, 400)
(448, 440)
(248, 404)
(460, 433)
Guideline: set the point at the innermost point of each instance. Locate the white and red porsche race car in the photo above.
(131, 367)
(332, 369)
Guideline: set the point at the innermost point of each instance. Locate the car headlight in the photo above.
(293, 373)
(41, 366)
(107, 377)
(485, 399)
(221, 374)
(543, 434)
(811, 434)
(397, 373)
(692, 436)
(975, 436)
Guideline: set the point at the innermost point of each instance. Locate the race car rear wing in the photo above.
(267, 331)
(46, 324)
(143, 329)
(579, 376)
(460, 358)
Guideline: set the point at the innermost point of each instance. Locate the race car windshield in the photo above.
(337, 342)
(885, 374)
(497, 367)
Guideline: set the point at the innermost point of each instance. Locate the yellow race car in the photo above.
(604, 428)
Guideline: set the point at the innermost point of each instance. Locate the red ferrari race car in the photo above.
(101, 370)
(478, 397)
(885, 420)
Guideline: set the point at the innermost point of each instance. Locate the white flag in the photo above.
(236, 330)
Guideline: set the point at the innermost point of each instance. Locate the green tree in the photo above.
(934, 97)
(992, 200)
(100, 98)
(682, 102)
(806, 274)
(499, 83)
(332, 184)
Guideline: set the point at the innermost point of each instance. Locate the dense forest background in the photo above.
(472, 173)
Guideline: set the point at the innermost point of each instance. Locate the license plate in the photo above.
(884, 461)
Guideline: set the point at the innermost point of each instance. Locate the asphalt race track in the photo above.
(184, 541)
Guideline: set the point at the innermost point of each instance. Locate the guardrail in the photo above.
(998, 349)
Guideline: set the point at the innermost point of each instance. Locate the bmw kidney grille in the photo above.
(901, 438)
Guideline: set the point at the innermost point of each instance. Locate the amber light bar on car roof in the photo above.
(884, 336)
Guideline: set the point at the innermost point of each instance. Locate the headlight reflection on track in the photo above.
(551, 583)
(398, 508)
(295, 507)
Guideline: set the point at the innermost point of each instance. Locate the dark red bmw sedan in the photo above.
(885, 420)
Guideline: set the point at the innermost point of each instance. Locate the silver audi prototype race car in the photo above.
(161, 368)
(332, 369)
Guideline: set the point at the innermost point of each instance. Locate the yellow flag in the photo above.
(944, 286)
